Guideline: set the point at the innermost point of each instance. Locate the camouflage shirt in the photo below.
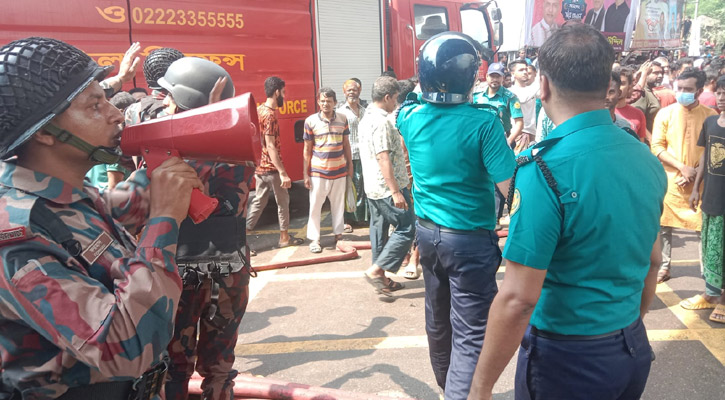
(63, 324)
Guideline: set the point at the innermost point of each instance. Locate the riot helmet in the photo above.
(39, 78)
(191, 79)
(447, 66)
(156, 64)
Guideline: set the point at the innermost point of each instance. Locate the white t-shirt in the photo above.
(527, 97)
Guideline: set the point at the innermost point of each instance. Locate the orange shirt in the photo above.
(676, 130)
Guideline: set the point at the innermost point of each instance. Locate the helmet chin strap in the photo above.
(97, 154)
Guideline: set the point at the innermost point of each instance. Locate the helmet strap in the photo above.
(97, 154)
(450, 98)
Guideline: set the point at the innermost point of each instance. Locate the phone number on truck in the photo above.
(168, 16)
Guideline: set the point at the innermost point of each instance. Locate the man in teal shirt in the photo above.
(502, 99)
(457, 155)
(509, 109)
(582, 255)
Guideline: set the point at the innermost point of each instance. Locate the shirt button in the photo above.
(574, 195)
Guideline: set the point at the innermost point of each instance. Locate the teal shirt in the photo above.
(505, 101)
(612, 190)
(456, 154)
(98, 175)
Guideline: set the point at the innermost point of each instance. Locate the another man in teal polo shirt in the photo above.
(582, 255)
(457, 155)
(508, 107)
(502, 99)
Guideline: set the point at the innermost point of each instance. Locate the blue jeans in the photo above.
(388, 253)
(612, 368)
(460, 284)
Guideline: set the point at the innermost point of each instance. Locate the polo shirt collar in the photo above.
(38, 184)
(322, 116)
(582, 121)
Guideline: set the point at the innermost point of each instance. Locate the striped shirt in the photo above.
(328, 153)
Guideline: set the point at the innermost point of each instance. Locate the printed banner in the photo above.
(614, 18)
(659, 24)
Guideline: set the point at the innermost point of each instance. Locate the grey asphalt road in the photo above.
(323, 325)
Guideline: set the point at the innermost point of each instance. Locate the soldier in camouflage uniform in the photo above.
(85, 309)
(154, 67)
(212, 256)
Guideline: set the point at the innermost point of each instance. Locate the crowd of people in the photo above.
(596, 163)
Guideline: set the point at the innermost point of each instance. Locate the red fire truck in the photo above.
(308, 43)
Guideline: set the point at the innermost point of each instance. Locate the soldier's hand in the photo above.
(171, 185)
(129, 63)
(285, 181)
(216, 92)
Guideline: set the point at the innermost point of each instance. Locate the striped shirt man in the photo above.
(328, 154)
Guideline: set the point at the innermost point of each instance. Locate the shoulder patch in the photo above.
(12, 235)
(515, 202)
(517, 105)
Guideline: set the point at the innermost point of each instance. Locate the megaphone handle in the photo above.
(201, 205)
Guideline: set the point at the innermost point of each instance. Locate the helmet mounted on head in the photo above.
(190, 80)
(39, 78)
(156, 64)
(448, 65)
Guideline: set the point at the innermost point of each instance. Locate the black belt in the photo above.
(432, 225)
(556, 336)
(144, 388)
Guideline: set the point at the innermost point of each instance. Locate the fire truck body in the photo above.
(308, 43)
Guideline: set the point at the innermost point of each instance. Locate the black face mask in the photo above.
(280, 101)
(97, 154)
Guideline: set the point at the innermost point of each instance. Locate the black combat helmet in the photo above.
(191, 79)
(156, 64)
(447, 67)
(39, 78)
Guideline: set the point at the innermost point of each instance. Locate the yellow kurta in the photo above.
(676, 130)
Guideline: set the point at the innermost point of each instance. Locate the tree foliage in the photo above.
(715, 10)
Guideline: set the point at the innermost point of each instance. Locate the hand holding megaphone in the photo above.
(171, 186)
(226, 131)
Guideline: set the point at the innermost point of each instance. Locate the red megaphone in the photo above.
(226, 131)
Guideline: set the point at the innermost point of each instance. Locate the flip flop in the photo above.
(697, 303)
(663, 275)
(718, 314)
(379, 285)
(411, 272)
(315, 248)
(293, 241)
(393, 286)
(347, 228)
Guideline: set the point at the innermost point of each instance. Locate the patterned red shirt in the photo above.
(270, 128)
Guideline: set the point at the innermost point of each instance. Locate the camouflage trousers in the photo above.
(199, 345)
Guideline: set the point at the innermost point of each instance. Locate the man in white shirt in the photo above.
(543, 29)
(527, 94)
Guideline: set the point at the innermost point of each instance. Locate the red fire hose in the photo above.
(347, 250)
(252, 387)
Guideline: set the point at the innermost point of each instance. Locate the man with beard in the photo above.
(648, 102)
(354, 112)
(270, 173)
